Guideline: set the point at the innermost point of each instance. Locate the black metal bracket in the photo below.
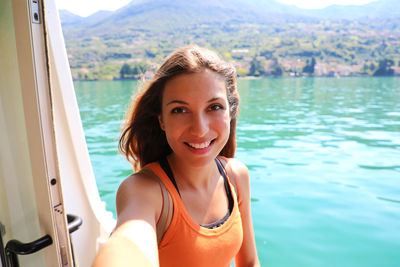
(13, 248)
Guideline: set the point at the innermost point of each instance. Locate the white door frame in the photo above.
(34, 87)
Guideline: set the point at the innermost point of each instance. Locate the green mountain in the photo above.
(375, 10)
(68, 18)
(224, 10)
(162, 15)
(144, 31)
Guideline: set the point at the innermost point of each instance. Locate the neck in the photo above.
(191, 177)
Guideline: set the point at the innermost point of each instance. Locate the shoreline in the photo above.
(260, 77)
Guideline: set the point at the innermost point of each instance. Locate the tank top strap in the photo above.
(159, 171)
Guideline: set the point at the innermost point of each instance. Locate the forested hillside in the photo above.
(261, 38)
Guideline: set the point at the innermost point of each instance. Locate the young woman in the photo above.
(189, 202)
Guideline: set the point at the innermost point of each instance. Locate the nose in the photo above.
(199, 125)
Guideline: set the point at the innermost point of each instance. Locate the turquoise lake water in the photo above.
(324, 160)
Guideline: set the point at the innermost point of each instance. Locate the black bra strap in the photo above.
(227, 188)
(167, 169)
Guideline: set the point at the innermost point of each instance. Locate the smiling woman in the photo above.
(195, 116)
(189, 202)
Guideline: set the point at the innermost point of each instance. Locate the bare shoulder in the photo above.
(239, 174)
(238, 168)
(140, 183)
(138, 197)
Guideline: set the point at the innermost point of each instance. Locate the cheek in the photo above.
(224, 125)
(170, 133)
(173, 128)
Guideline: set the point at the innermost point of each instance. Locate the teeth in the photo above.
(200, 146)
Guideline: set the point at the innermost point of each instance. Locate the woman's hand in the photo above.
(124, 247)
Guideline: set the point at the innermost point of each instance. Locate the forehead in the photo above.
(199, 85)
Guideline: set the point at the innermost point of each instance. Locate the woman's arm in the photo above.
(247, 255)
(134, 242)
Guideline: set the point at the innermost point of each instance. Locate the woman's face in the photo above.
(195, 116)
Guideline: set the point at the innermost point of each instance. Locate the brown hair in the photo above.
(142, 141)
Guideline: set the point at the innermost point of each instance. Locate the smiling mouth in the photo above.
(200, 145)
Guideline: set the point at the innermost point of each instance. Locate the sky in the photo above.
(87, 7)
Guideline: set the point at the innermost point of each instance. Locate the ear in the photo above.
(160, 120)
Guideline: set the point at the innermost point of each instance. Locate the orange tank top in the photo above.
(185, 243)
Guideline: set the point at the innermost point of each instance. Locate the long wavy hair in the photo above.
(142, 141)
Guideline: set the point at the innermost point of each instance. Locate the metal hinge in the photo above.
(35, 14)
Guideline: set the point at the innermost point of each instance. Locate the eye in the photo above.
(178, 110)
(217, 107)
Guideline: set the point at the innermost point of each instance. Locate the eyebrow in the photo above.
(214, 99)
(185, 103)
(177, 102)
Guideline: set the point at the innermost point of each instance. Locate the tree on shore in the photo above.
(372, 66)
(385, 68)
(276, 69)
(256, 67)
(310, 66)
(128, 72)
(125, 71)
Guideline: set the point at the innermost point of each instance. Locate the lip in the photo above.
(200, 151)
